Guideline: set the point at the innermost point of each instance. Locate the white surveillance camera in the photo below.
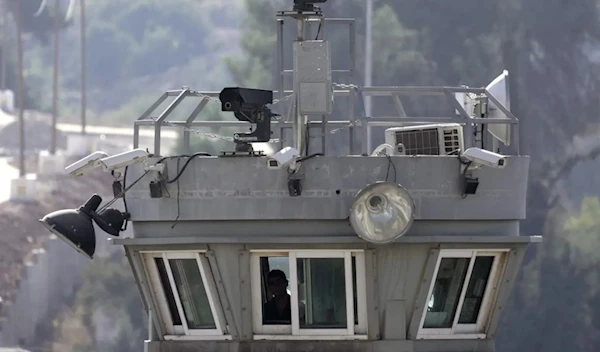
(284, 157)
(121, 160)
(482, 157)
(85, 165)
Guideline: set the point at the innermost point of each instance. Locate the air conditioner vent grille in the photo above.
(419, 142)
(427, 141)
(451, 140)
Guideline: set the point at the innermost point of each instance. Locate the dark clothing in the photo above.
(272, 316)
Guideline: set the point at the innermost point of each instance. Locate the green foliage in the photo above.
(108, 287)
(258, 43)
(40, 26)
(561, 281)
(582, 235)
(135, 51)
(469, 42)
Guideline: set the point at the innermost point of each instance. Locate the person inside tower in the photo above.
(278, 309)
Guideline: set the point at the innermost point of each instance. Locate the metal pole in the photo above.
(4, 58)
(20, 90)
(83, 93)
(55, 78)
(299, 120)
(368, 65)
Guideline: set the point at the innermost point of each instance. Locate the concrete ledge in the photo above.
(324, 346)
(354, 241)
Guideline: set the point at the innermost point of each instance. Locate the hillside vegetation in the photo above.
(140, 47)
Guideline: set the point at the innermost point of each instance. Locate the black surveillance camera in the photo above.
(249, 105)
(306, 5)
(242, 100)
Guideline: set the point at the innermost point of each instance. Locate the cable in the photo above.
(304, 158)
(464, 173)
(184, 165)
(122, 194)
(306, 140)
(125, 180)
(178, 192)
(391, 164)
(319, 29)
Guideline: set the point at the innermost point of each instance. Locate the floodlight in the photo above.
(382, 212)
(74, 226)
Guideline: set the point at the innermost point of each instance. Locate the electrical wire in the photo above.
(391, 164)
(180, 172)
(304, 158)
(319, 29)
(125, 180)
(464, 173)
(122, 194)
(178, 192)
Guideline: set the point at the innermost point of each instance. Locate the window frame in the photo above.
(467, 331)
(182, 332)
(293, 330)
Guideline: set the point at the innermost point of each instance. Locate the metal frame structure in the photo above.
(350, 91)
(366, 122)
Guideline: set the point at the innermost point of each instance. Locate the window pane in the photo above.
(446, 293)
(476, 289)
(164, 281)
(321, 282)
(192, 293)
(276, 296)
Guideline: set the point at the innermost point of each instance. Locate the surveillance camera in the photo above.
(482, 157)
(282, 158)
(121, 160)
(85, 165)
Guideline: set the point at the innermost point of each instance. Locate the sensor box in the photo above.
(312, 77)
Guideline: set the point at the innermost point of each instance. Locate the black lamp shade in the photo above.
(74, 227)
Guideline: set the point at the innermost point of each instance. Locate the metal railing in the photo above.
(366, 123)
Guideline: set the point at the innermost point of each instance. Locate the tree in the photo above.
(470, 42)
(41, 27)
(108, 287)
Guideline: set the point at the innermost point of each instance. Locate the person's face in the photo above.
(277, 285)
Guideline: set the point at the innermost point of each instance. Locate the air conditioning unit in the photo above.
(434, 139)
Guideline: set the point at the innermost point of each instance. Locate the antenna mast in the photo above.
(312, 71)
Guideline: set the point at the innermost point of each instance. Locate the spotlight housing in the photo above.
(382, 212)
(74, 226)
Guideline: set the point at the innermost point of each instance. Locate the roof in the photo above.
(22, 234)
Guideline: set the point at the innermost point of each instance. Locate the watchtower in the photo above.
(413, 245)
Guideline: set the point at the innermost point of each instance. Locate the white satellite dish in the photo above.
(382, 212)
(499, 89)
